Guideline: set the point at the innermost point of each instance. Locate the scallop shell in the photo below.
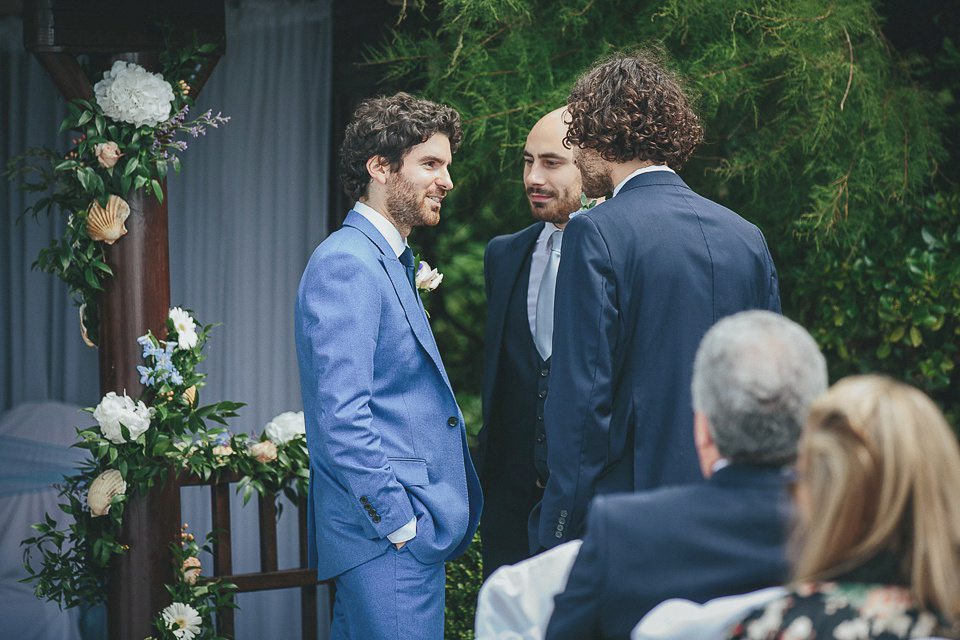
(190, 395)
(106, 223)
(83, 328)
(108, 484)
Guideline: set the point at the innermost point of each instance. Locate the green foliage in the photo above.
(464, 576)
(891, 302)
(815, 130)
(207, 597)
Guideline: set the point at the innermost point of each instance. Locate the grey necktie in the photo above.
(548, 284)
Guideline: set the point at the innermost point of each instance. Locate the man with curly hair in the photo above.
(642, 277)
(393, 493)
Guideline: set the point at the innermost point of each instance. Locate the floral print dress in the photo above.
(842, 611)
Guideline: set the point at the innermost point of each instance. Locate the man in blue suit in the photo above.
(393, 493)
(642, 278)
(754, 378)
(520, 280)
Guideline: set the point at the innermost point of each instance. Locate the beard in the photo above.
(409, 206)
(596, 179)
(558, 209)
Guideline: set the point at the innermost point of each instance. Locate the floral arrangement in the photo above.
(127, 138)
(139, 442)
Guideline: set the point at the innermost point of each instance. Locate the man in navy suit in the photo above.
(393, 492)
(515, 362)
(643, 276)
(754, 378)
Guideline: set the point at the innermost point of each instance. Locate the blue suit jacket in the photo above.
(385, 434)
(642, 277)
(698, 542)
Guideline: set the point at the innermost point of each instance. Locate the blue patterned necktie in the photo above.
(545, 297)
(406, 258)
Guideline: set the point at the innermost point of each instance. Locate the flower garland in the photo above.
(126, 139)
(141, 442)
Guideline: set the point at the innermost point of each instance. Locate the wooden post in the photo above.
(137, 297)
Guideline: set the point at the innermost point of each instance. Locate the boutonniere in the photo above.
(427, 279)
(586, 204)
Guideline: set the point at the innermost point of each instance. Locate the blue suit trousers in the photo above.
(392, 596)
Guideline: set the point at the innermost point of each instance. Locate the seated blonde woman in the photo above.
(877, 547)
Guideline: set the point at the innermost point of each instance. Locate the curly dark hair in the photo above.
(629, 107)
(390, 126)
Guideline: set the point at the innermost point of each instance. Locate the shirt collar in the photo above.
(654, 167)
(546, 232)
(720, 464)
(389, 232)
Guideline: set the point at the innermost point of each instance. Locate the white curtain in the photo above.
(244, 216)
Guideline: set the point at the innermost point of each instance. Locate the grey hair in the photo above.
(754, 377)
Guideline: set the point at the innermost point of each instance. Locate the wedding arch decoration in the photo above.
(128, 136)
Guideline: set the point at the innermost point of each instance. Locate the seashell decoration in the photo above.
(106, 223)
(108, 484)
(83, 328)
(190, 395)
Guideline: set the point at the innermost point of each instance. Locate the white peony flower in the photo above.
(427, 279)
(129, 93)
(115, 410)
(183, 620)
(285, 427)
(185, 327)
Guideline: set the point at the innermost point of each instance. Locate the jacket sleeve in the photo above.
(339, 310)
(576, 612)
(580, 394)
(773, 282)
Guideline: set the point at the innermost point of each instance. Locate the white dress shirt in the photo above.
(655, 167)
(541, 250)
(398, 243)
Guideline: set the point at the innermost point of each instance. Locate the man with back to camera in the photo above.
(643, 276)
(393, 493)
(520, 277)
(755, 375)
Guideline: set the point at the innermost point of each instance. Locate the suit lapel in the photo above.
(409, 300)
(506, 273)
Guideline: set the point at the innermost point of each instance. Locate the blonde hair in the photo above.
(880, 469)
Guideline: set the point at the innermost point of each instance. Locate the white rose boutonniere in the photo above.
(129, 93)
(285, 427)
(115, 410)
(427, 279)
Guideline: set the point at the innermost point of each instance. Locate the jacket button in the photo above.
(453, 421)
(376, 518)
(563, 514)
(363, 499)
(561, 520)
(558, 534)
(542, 394)
(541, 437)
(544, 372)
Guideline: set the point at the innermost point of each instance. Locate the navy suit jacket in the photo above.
(697, 542)
(385, 435)
(642, 277)
(502, 262)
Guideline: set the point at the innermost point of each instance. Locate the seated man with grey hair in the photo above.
(754, 377)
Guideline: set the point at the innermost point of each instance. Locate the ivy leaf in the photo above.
(91, 279)
(132, 165)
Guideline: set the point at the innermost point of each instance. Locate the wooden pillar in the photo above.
(137, 297)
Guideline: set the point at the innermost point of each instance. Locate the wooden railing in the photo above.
(269, 577)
